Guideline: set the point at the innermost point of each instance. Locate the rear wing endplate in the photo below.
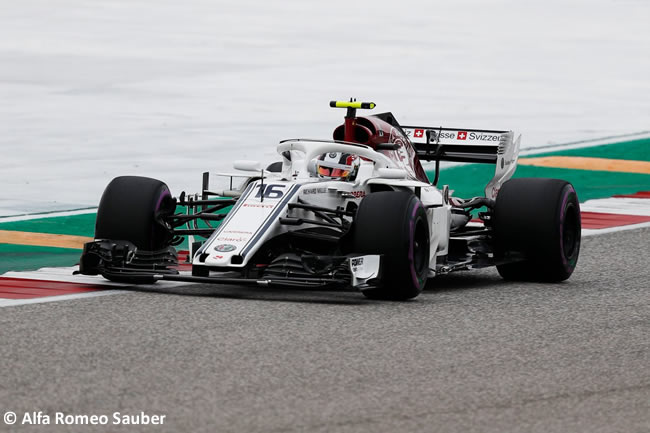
(468, 145)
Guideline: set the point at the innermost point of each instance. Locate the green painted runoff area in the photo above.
(464, 180)
(635, 150)
(77, 225)
(27, 257)
(469, 180)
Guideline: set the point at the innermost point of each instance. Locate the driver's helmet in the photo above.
(337, 165)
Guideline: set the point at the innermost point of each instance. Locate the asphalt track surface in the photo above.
(472, 353)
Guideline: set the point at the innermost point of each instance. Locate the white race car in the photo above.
(355, 212)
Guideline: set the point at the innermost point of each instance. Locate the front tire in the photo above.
(130, 210)
(394, 224)
(539, 218)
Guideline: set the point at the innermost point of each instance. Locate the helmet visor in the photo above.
(332, 172)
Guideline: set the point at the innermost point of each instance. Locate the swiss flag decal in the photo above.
(462, 135)
(419, 133)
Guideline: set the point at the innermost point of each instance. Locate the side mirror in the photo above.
(311, 167)
(245, 165)
(391, 173)
(387, 146)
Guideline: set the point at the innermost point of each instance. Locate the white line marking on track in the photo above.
(16, 302)
(37, 216)
(585, 143)
(618, 205)
(593, 232)
(64, 275)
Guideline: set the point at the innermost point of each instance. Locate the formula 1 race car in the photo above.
(356, 212)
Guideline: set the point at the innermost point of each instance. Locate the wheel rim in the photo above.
(420, 246)
(570, 231)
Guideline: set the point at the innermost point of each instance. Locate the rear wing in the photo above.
(467, 145)
(450, 144)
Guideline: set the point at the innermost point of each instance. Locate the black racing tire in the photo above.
(540, 218)
(394, 223)
(128, 211)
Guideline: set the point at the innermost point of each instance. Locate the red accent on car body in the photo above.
(372, 131)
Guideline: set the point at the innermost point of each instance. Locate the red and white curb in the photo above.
(618, 213)
(59, 284)
(625, 212)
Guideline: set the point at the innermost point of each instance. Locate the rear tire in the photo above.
(129, 210)
(394, 223)
(541, 219)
